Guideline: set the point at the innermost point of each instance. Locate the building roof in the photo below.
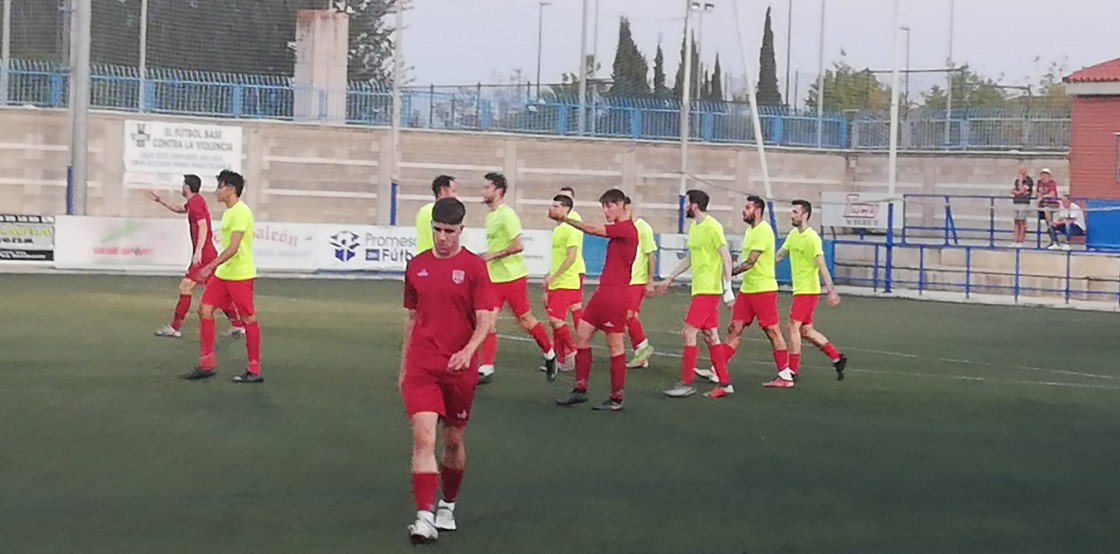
(1107, 72)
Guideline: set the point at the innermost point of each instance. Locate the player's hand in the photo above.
(729, 299)
(155, 196)
(649, 290)
(486, 257)
(197, 259)
(661, 287)
(460, 360)
(205, 271)
(833, 299)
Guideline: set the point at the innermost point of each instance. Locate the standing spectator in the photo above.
(1021, 198)
(1070, 221)
(1047, 194)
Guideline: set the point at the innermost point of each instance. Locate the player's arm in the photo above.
(597, 230)
(159, 200)
(752, 259)
(833, 296)
(682, 267)
(409, 323)
(229, 252)
(203, 236)
(781, 254)
(515, 247)
(567, 264)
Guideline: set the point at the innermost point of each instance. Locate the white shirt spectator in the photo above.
(1073, 214)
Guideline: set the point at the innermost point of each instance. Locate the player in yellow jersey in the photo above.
(574, 216)
(806, 257)
(510, 277)
(710, 262)
(639, 286)
(758, 295)
(444, 186)
(562, 291)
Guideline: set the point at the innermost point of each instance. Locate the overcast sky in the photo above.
(467, 41)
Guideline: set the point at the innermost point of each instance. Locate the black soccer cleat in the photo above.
(199, 374)
(839, 366)
(576, 397)
(551, 369)
(609, 405)
(249, 378)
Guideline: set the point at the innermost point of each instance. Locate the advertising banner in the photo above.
(161, 152)
(859, 210)
(364, 247)
(121, 243)
(26, 238)
(283, 246)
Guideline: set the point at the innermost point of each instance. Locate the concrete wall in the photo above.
(1095, 141)
(303, 172)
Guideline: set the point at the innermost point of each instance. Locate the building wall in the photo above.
(1094, 164)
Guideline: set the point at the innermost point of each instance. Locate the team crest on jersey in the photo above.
(458, 276)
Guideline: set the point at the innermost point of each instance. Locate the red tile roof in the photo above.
(1107, 72)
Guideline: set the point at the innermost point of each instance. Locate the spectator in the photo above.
(1047, 193)
(1021, 198)
(1070, 221)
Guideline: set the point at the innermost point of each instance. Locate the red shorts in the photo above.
(220, 293)
(703, 312)
(192, 271)
(606, 311)
(516, 294)
(803, 307)
(561, 301)
(637, 296)
(761, 305)
(450, 395)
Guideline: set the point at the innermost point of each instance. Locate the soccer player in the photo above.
(202, 246)
(580, 262)
(234, 274)
(509, 276)
(758, 295)
(606, 311)
(806, 258)
(639, 287)
(710, 261)
(450, 304)
(563, 293)
(443, 186)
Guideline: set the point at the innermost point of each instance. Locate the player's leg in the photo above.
(766, 306)
(215, 294)
(800, 315)
(241, 296)
(584, 332)
(719, 354)
(458, 398)
(839, 360)
(794, 330)
(684, 387)
(490, 347)
(616, 345)
(522, 309)
(638, 339)
(186, 290)
(236, 325)
(425, 476)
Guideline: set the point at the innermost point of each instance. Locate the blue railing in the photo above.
(517, 109)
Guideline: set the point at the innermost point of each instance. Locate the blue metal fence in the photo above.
(516, 109)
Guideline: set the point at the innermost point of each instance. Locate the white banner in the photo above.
(161, 152)
(364, 247)
(122, 243)
(859, 210)
(282, 246)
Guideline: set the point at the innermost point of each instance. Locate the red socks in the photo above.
(424, 490)
(583, 368)
(540, 336)
(252, 345)
(618, 376)
(206, 337)
(781, 359)
(234, 318)
(181, 309)
(637, 333)
(561, 336)
(830, 351)
(795, 362)
(688, 363)
(452, 478)
(719, 355)
(490, 349)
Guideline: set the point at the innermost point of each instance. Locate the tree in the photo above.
(846, 88)
(678, 83)
(768, 93)
(970, 90)
(630, 71)
(659, 88)
(715, 87)
(568, 89)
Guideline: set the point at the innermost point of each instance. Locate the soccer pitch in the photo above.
(959, 428)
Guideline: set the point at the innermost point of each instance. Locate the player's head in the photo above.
(697, 203)
(495, 188)
(561, 204)
(629, 207)
(230, 185)
(447, 225)
(754, 209)
(1065, 200)
(569, 192)
(800, 213)
(614, 205)
(444, 186)
(191, 184)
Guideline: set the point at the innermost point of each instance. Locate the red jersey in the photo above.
(197, 210)
(622, 248)
(445, 293)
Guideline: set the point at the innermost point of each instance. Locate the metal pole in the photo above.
(820, 84)
(892, 163)
(907, 29)
(540, 43)
(143, 100)
(756, 121)
(395, 117)
(79, 107)
(698, 85)
(949, 92)
(595, 42)
(6, 53)
(583, 70)
(686, 86)
(789, 49)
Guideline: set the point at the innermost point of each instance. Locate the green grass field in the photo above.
(959, 429)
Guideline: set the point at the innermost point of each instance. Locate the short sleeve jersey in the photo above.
(803, 248)
(502, 226)
(564, 237)
(424, 239)
(647, 245)
(705, 238)
(241, 266)
(761, 277)
(198, 211)
(445, 293)
(581, 265)
(622, 247)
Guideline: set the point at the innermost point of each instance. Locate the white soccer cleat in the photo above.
(680, 390)
(708, 373)
(236, 332)
(424, 529)
(445, 516)
(169, 332)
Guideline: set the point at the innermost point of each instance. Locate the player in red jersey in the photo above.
(606, 311)
(202, 247)
(450, 304)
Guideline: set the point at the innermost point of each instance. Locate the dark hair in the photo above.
(233, 179)
(193, 182)
(449, 211)
(805, 205)
(612, 196)
(440, 183)
(499, 181)
(627, 201)
(571, 191)
(758, 203)
(698, 197)
(563, 199)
